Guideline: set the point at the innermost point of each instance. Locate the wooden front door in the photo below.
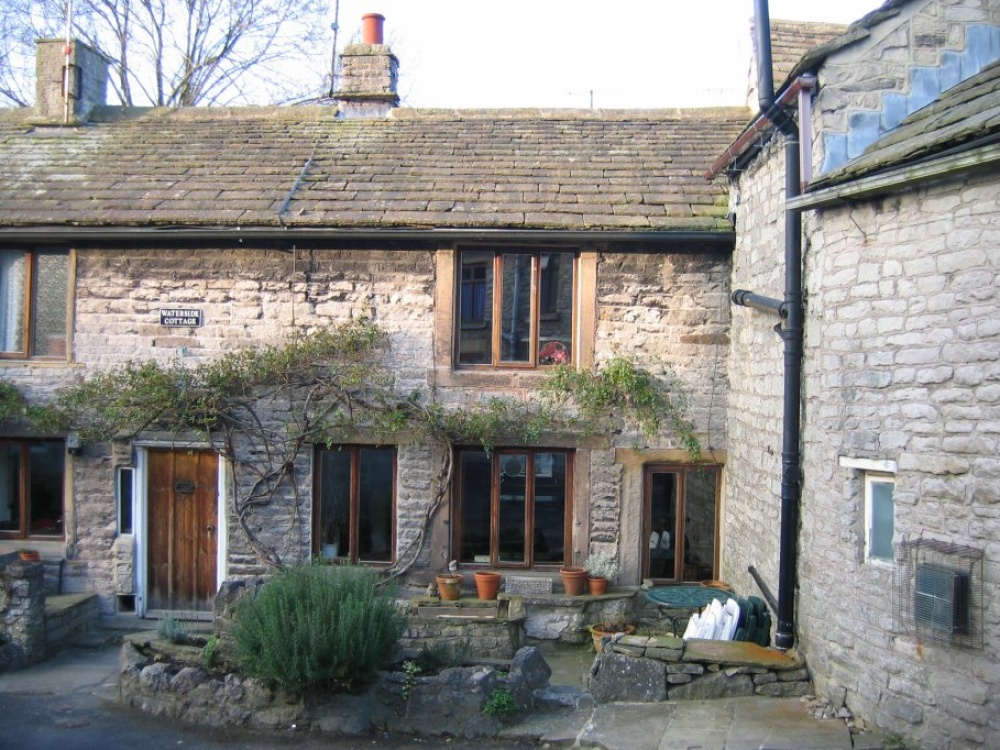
(182, 492)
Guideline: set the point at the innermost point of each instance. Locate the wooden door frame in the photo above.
(140, 520)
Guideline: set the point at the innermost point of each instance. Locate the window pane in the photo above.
(513, 506)
(13, 267)
(663, 519)
(46, 487)
(515, 315)
(124, 501)
(476, 488)
(475, 318)
(699, 525)
(882, 520)
(550, 507)
(335, 502)
(555, 338)
(377, 470)
(10, 487)
(48, 337)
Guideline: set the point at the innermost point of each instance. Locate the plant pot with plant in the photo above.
(449, 586)
(609, 628)
(601, 569)
(487, 584)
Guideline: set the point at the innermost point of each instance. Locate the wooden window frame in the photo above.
(536, 313)
(24, 496)
(680, 541)
(354, 504)
(29, 306)
(496, 456)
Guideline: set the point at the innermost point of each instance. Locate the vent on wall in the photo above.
(937, 592)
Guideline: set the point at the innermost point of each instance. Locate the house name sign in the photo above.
(180, 318)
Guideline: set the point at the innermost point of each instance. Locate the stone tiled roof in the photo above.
(589, 170)
(966, 112)
(791, 40)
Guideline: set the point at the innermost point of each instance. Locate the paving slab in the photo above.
(627, 726)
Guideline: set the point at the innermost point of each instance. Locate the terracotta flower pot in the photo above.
(487, 584)
(449, 586)
(598, 585)
(30, 555)
(597, 632)
(573, 580)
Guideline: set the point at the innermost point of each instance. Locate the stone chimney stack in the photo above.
(369, 74)
(84, 69)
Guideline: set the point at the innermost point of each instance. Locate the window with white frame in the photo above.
(879, 516)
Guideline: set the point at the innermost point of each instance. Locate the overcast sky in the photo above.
(574, 53)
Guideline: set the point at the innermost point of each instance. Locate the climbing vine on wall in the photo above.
(265, 408)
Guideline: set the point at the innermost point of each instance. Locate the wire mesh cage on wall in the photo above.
(938, 592)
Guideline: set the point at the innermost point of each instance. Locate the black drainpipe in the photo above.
(790, 331)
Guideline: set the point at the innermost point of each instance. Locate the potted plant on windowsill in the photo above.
(330, 547)
(601, 569)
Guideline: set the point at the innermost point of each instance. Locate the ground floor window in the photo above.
(355, 504)
(879, 516)
(31, 488)
(512, 506)
(681, 523)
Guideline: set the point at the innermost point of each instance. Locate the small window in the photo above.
(879, 516)
(31, 488)
(512, 506)
(354, 510)
(124, 492)
(33, 304)
(515, 308)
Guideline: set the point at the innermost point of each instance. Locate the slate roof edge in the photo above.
(64, 234)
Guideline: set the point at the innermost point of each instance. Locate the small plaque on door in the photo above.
(184, 486)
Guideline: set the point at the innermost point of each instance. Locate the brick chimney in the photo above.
(369, 74)
(82, 67)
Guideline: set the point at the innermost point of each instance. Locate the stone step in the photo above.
(67, 617)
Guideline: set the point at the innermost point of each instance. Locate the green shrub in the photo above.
(500, 704)
(171, 630)
(318, 626)
(208, 652)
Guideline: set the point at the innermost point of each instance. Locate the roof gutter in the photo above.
(239, 235)
(801, 88)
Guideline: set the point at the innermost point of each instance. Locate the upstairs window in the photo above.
(33, 291)
(515, 308)
(31, 488)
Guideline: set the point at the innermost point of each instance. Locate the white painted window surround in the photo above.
(879, 485)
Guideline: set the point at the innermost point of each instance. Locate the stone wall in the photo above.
(22, 612)
(868, 88)
(647, 669)
(901, 365)
(753, 478)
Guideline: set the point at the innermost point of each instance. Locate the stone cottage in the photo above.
(867, 209)
(487, 245)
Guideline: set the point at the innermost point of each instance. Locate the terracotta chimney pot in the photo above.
(371, 29)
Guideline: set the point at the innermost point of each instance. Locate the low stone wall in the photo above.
(22, 612)
(446, 704)
(658, 668)
(473, 628)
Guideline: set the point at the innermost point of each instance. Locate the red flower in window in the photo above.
(553, 353)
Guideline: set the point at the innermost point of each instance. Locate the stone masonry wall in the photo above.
(672, 306)
(902, 365)
(753, 477)
(869, 87)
